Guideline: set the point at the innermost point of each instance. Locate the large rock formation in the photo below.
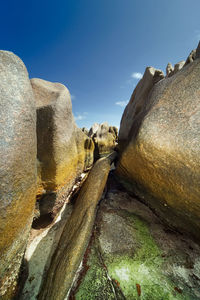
(17, 167)
(63, 150)
(104, 137)
(159, 142)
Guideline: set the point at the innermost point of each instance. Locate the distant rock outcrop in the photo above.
(104, 137)
(159, 144)
(135, 107)
(17, 167)
(170, 71)
(63, 150)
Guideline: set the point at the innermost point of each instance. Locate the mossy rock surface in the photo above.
(132, 255)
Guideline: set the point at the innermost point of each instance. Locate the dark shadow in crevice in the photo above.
(45, 150)
(42, 221)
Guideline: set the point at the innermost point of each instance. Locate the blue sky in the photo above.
(98, 48)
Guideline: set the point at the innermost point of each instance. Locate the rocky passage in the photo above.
(133, 236)
(133, 255)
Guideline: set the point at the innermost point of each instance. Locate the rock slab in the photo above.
(76, 234)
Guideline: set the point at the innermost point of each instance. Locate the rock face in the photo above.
(17, 167)
(104, 137)
(63, 150)
(160, 152)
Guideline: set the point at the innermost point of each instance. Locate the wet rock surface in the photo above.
(132, 255)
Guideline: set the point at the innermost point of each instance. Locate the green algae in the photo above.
(143, 269)
(137, 274)
(95, 284)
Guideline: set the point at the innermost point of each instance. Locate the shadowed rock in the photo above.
(191, 57)
(85, 130)
(76, 234)
(198, 51)
(63, 150)
(161, 160)
(17, 167)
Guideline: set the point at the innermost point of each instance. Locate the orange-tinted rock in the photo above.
(160, 153)
(61, 146)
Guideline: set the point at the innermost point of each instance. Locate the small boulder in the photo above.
(169, 69)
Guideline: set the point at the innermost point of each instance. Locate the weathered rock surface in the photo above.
(170, 71)
(17, 167)
(41, 246)
(104, 137)
(160, 161)
(76, 234)
(132, 255)
(62, 148)
(191, 57)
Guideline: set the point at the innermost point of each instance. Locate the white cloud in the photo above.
(136, 75)
(73, 97)
(122, 103)
(80, 117)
